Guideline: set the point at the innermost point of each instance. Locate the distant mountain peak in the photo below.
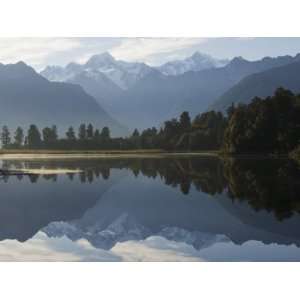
(238, 59)
(19, 70)
(21, 63)
(100, 59)
(26, 98)
(123, 74)
(73, 65)
(197, 62)
(201, 55)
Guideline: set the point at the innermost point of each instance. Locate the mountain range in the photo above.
(109, 92)
(121, 73)
(28, 98)
(141, 96)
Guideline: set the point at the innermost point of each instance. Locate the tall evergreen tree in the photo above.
(54, 135)
(90, 131)
(70, 134)
(47, 135)
(135, 133)
(82, 132)
(97, 134)
(5, 137)
(34, 137)
(185, 121)
(105, 133)
(19, 137)
(135, 139)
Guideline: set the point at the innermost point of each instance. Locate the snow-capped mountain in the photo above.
(123, 74)
(126, 228)
(57, 73)
(197, 62)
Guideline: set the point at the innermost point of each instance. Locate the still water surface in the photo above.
(150, 209)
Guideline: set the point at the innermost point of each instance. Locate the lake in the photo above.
(185, 208)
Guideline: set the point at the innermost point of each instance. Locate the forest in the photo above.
(266, 125)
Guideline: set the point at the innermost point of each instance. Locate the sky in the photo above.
(40, 52)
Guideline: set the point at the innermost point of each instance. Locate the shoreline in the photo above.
(111, 154)
(58, 154)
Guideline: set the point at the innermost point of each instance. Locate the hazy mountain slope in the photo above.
(157, 97)
(100, 87)
(261, 84)
(27, 98)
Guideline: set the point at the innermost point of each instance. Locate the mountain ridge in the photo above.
(260, 84)
(156, 97)
(32, 99)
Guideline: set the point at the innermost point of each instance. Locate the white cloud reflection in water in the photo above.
(153, 248)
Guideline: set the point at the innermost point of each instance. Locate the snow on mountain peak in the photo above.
(124, 74)
(100, 60)
(197, 62)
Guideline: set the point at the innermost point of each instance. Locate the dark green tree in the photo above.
(185, 121)
(82, 132)
(270, 125)
(135, 140)
(5, 137)
(34, 137)
(70, 134)
(97, 134)
(135, 133)
(47, 135)
(90, 131)
(54, 135)
(19, 137)
(105, 133)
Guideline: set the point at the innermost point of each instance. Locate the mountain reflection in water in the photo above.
(151, 209)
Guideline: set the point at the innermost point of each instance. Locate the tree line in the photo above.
(266, 125)
(48, 137)
(204, 132)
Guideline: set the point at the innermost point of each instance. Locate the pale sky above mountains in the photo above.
(39, 52)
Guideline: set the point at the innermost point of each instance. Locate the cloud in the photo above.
(155, 248)
(42, 248)
(39, 52)
(34, 51)
(150, 50)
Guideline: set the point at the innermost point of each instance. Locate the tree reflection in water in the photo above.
(266, 184)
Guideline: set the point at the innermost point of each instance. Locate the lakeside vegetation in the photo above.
(265, 126)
